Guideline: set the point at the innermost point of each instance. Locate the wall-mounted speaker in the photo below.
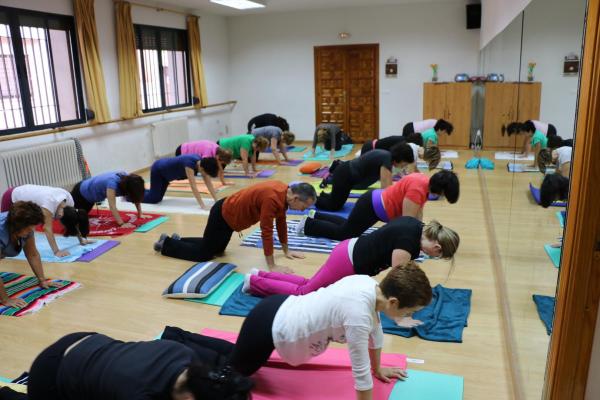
(473, 16)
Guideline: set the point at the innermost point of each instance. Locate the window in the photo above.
(162, 55)
(40, 85)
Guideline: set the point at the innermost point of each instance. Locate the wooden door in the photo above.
(434, 100)
(347, 89)
(458, 113)
(529, 95)
(499, 111)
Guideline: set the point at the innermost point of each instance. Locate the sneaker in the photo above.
(158, 245)
(246, 285)
(300, 226)
(175, 236)
(254, 271)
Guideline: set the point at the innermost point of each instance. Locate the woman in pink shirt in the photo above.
(406, 197)
(207, 148)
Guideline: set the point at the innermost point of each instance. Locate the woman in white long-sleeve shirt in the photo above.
(347, 311)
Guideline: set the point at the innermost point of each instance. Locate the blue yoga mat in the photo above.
(562, 216)
(535, 193)
(239, 304)
(443, 319)
(344, 212)
(545, 308)
(424, 385)
(322, 154)
(554, 253)
(289, 149)
(70, 244)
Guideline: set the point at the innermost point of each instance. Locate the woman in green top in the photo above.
(244, 147)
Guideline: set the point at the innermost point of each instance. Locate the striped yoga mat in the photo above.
(27, 289)
(300, 243)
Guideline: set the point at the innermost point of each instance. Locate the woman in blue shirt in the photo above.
(165, 170)
(16, 234)
(110, 185)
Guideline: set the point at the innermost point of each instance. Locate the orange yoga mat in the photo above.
(184, 186)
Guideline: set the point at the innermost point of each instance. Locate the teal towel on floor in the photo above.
(148, 226)
(545, 308)
(554, 254)
(486, 163)
(443, 319)
(473, 163)
(322, 154)
(239, 304)
(424, 385)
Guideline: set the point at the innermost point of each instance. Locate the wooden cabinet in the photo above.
(452, 102)
(506, 103)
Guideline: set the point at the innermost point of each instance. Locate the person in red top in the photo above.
(406, 197)
(262, 202)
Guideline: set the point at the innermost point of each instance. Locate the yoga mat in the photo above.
(554, 254)
(103, 224)
(322, 154)
(148, 226)
(447, 165)
(344, 212)
(545, 309)
(298, 243)
(444, 319)
(267, 173)
(289, 163)
(320, 173)
(329, 374)
(223, 292)
(239, 304)
(424, 385)
(289, 149)
(171, 205)
(71, 244)
(14, 386)
(98, 251)
(355, 193)
(449, 154)
(561, 215)
(509, 155)
(535, 193)
(184, 186)
(27, 289)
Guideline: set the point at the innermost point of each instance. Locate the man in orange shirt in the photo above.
(262, 202)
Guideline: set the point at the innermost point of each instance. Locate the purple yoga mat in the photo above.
(98, 251)
(292, 163)
(267, 173)
(320, 173)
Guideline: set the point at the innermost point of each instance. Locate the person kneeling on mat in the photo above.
(56, 204)
(362, 172)
(165, 170)
(245, 147)
(301, 327)
(91, 366)
(559, 158)
(431, 154)
(278, 140)
(207, 148)
(555, 187)
(331, 137)
(262, 202)
(429, 130)
(396, 243)
(16, 233)
(407, 197)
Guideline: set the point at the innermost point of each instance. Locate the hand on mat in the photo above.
(281, 268)
(48, 284)
(62, 253)
(86, 241)
(15, 303)
(144, 216)
(294, 254)
(387, 374)
(408, 322)
(128, 225)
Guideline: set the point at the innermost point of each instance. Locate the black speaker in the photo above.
(473, 16)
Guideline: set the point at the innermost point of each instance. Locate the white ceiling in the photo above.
(277, 6)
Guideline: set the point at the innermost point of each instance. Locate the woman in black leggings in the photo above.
(362, 172)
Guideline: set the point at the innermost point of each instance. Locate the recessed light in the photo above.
(239, 4)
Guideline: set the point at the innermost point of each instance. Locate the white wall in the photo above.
(127, 145)
(592, 391)
(272, 63)
(552, 29)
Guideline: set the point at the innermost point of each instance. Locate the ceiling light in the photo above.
(239, 4)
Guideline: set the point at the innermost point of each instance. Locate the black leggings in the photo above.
(42, 375)
(334, 227)
(80, 201)
(178, 151)
(408, 129)
(366, 147)
(217, 235)
(551, 130)
(255, 341)
(212, 351)
(341, 186)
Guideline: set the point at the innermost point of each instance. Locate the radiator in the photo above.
(167, 135)
(58, 164)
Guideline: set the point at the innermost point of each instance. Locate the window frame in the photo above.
(23, 77)
(143, 89)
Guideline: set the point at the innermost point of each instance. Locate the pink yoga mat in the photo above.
(328, 376)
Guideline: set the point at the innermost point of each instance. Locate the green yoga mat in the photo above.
(148, 226)
(423, 385)
(322, 154)
(554, 254)
(5, 380)
(223, 292)
(561, 219)
(297, 149)
(357, 192)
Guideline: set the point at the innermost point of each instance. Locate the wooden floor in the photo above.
(121, 294)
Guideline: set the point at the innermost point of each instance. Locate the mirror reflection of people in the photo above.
(529, 129)
(558, 158)
(17, 226)
(555, 187)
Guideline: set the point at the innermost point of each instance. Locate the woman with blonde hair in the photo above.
(278, 139)
(245, 147)
(331, 137)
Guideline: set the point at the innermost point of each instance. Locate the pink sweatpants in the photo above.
(337, 266)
